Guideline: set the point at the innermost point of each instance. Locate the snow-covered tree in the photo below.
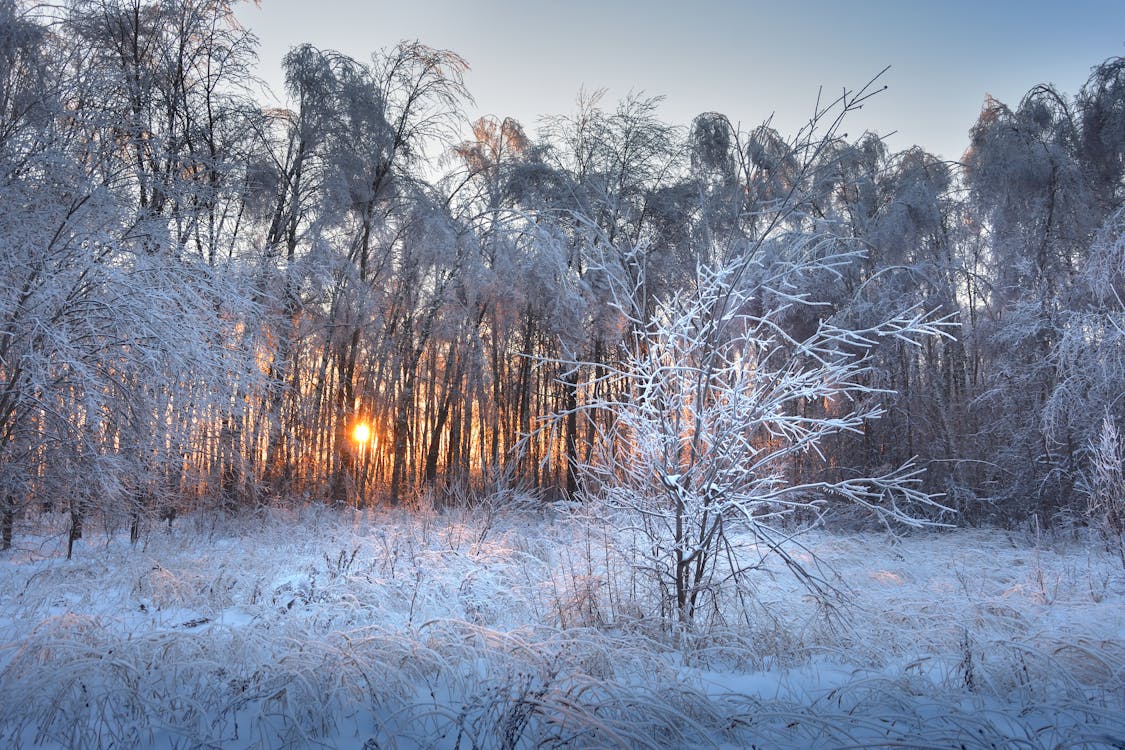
(709, 408)
(728, 380)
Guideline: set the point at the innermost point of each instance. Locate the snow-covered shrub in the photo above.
(712, 404)
(1104, 486)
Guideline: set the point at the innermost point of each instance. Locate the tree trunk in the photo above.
(570, 406)
(401, 435)
(75, 531)
(7, 523)
(452, 390)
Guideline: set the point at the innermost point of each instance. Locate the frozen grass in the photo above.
(462, 630)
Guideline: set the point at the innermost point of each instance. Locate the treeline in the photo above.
(201, 296)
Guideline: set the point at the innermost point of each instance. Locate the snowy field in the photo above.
(459, 630)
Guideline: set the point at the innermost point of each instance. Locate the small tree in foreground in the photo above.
(712, 404)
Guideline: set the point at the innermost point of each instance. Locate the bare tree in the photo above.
(708, 413)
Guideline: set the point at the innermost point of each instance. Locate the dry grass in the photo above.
(515, 631)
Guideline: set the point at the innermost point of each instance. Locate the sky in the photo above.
(749, 60)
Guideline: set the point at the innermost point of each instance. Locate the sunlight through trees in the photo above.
(356, 298)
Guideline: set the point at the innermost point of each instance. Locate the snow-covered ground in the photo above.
(478, 630)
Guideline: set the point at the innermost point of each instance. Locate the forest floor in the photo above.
(486, 630)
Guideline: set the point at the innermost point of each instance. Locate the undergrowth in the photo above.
(452, 630)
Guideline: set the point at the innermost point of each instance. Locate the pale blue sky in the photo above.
(745, 59)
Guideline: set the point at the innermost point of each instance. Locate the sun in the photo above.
(361, 433)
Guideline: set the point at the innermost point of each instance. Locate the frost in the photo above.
(529, 633)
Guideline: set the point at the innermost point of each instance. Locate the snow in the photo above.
(424, 629)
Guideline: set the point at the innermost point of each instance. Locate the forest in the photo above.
(203, 297)
(657, 349)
